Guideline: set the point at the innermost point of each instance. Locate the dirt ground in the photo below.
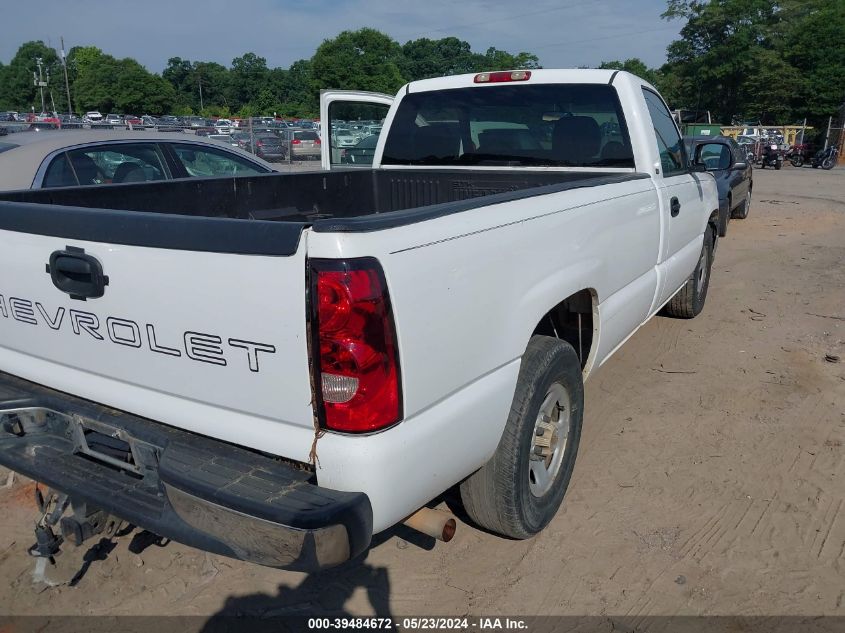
(710, 480)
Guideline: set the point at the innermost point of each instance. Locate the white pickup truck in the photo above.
(277, 367)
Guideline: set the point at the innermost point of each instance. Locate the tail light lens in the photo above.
(502, 76)
(356, 361)
(295, 141)
(316, 141)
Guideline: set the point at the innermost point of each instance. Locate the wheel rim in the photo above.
(548, 443)
(702, 271)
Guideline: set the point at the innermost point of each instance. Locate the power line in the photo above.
(502, 19)
(603, 37)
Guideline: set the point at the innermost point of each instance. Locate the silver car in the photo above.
(30, 160)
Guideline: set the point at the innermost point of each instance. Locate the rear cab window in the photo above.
(557, 125)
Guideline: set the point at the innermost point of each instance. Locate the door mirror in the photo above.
(713, 156)
(740, 166)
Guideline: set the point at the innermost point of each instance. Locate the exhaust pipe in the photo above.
(434, 523)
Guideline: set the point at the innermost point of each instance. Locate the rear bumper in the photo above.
(201, 492)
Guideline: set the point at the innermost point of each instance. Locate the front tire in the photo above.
(797, 161)
(520, 489)
(827, 163)
(688, 302)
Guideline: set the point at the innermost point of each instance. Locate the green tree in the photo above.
(635, 66)
(424, 58)
(758, 59)
(18, 91)
(814, 44)
(495, 59)
(247, 78)
(358, 60)
(96, 77)
(214, 79)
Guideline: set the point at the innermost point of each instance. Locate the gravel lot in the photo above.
(710, 480)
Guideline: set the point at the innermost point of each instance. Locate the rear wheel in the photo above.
(797, 160)
(520, 489)
(827, 163)
(688, 302)
(741, 212)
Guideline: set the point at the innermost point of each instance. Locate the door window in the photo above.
(209, 162)
(672, 156)
(354, 128)
(106, 164)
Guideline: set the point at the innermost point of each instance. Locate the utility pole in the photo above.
(199, 82)
(827, 136)
(67, 83)
(39, 81)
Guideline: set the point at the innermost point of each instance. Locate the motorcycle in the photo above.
(795, 155)
(771, 157)
(826, 158)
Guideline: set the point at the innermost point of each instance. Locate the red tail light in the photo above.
(503, 76)
(316, 141)
(356, 361)
(259, 143)
(295, 141)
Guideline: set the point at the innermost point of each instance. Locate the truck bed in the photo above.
(280, 205)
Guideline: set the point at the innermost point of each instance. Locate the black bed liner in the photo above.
(207, 214)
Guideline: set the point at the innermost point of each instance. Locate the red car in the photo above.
(131, 119)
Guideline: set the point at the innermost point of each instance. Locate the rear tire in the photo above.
(520, 489)
(741, 212)
(797, 161)
(688, 302)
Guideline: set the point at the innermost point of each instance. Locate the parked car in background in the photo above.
(41, 126)
(303, 143)
(223, 126)
(345, 138)
(228, 139)
(83, 157)
(93, 117)
(360, 154)
(114, 119)
(733, 173)
(131, 119)
(270, 147)
(8, 116)
(243, 140)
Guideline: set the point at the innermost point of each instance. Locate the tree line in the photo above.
(776, 61)
(365, 59)
(773, 61)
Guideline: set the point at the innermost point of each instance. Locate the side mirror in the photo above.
(740, 166)
(712, 156)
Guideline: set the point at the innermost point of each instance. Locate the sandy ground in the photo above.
(710, 480)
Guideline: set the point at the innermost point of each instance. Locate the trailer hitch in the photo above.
(47, 544)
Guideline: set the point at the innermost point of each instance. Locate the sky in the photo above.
(563, 33)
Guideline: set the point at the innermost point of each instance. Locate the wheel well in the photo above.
(714, 221)
(571, 320)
